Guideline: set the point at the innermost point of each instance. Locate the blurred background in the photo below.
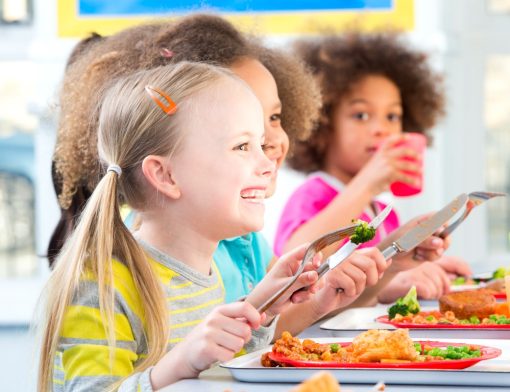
(467, 40)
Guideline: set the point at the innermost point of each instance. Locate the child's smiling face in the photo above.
(221, 169)
(362, 119)
(264, 86)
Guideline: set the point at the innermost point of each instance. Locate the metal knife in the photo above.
(424, 229)
(346, 250)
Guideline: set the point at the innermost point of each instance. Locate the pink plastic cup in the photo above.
(418, 142)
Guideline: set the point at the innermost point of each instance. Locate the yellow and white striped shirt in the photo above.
(83, 359)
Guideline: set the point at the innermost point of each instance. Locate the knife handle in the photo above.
(390, 251)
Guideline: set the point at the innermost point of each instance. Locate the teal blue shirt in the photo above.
(242, 262)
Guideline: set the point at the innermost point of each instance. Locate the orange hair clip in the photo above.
(156, 94)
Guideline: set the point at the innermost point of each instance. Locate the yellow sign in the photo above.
(78, 18)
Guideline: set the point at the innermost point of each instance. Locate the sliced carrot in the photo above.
(384, 360)
(502, 308)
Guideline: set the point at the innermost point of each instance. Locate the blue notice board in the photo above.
(77, 18)
(158, 7)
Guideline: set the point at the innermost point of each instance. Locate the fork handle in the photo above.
(323, 268)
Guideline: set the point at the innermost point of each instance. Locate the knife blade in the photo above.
(424, 229)
(346, 250)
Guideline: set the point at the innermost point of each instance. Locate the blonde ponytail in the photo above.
(91, 247)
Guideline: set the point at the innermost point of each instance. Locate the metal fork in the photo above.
(474, 199)
(314, 248)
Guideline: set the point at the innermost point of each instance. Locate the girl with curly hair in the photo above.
(375, 88)
(290, 102)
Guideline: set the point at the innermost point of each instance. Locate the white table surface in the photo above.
(219, 379)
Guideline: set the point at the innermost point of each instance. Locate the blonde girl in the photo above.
(182, 146)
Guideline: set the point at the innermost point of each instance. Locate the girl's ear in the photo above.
(157, 171)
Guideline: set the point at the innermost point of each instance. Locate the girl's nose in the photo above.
(380, 128)
(276, 146)
(266, 166)
(272, 151)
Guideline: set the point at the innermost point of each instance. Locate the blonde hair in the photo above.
(131, 127)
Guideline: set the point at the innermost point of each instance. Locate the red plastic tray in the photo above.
(384, 319)
(487, 353)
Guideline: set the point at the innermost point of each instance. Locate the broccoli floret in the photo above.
(500, 273)
(411, 300)
(334, 347)
(405, 305)
(362, 233)
(459, 280)
(397, 309)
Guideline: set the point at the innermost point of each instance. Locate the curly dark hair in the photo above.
(98, 61)
(340, 61)
(222, 44)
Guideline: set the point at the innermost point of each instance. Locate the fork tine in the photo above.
(485, 195)
(333, 237)
(477, 198)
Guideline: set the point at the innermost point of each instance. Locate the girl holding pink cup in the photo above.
(418, 142)
(380, 100)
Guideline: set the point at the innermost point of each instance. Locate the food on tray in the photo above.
(382, 345)
(320, 381)
(373, 346)
(473, 307)
(405, 305)
(492, 281)
(293, 348)
(500, 273)
(363, 232)
(466, 304)
(464, 281)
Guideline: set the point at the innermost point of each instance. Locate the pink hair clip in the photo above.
(156, 94)
(166, 53)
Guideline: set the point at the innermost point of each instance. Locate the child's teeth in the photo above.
(253, 194)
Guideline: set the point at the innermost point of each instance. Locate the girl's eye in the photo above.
(395, 117)
(275, 117)
(361, 116)
(242, 147)
(267, 147)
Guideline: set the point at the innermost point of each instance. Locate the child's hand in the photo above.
(430, 279)
(388, 165)
(362, 269)
(454, 266)
(430, 249)
(279, 275)
(221, 335)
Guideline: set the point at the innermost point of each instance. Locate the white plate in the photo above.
(356, 320)
(493, 372)
(464, 287)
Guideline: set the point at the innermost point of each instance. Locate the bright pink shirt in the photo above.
(311, 198)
